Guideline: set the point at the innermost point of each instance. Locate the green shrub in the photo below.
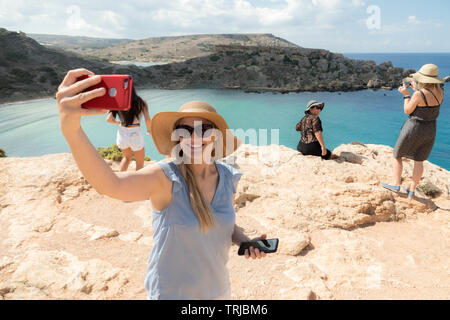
(47, 69)
(110, 153)
(287, 60)
(429, 190)
(185, 70)
(145, 158)
(214, 58)
(4, 83)
(15, 56)
(114, 153)
(22, 75)
(50, 74)
(55, 81)
(2, 153)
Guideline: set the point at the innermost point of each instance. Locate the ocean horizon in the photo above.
(31, 128)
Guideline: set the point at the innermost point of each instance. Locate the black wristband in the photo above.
(407, 97)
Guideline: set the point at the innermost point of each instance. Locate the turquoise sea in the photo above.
(374, 117)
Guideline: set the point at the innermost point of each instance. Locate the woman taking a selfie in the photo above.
(192, 202)
(129, 138)
(418, 133)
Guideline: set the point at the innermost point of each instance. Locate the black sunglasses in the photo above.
(205, 127)
(317, 107)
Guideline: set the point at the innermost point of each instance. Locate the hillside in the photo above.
(281, 69)
(74, 43)
(30, 70)
(180, 48)
(341, 235)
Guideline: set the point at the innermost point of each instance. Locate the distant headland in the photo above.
(253, 63)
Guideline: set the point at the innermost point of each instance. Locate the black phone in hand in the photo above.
(266, 245)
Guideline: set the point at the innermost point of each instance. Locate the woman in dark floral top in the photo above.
(310, 126)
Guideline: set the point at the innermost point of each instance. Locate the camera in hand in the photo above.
(407, 82)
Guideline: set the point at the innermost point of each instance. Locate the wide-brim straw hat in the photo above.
(313, 103)
(163, 125)
(429, 73)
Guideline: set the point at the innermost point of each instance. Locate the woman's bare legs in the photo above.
(127, 156)
(417, 174)
(398, 170)
(139, 157)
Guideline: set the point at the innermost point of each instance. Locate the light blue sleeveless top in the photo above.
(186, 263)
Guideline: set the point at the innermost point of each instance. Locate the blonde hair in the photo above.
(428, 86)
(198, 202)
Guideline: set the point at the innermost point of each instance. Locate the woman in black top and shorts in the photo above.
(310, 126)
(130, 139)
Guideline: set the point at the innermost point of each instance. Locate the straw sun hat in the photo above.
(427, 74)
(163, 124)
(314, 103)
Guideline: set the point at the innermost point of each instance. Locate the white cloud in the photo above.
(112, 19)
(413, 20)
(76, 24)
(157, 17)
(338, 25)
(330, 4)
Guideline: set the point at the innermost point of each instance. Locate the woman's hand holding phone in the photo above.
(70, 97)
(255, 253)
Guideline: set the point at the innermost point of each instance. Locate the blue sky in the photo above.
(337, 25)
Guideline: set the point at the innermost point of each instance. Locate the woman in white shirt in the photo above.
(129, 138)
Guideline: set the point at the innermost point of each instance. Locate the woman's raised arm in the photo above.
(410, 104)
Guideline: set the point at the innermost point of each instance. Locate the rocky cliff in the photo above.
(281, 69)
(30, 70)
(341, 235)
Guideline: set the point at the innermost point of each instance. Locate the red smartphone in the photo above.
(118, 92)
